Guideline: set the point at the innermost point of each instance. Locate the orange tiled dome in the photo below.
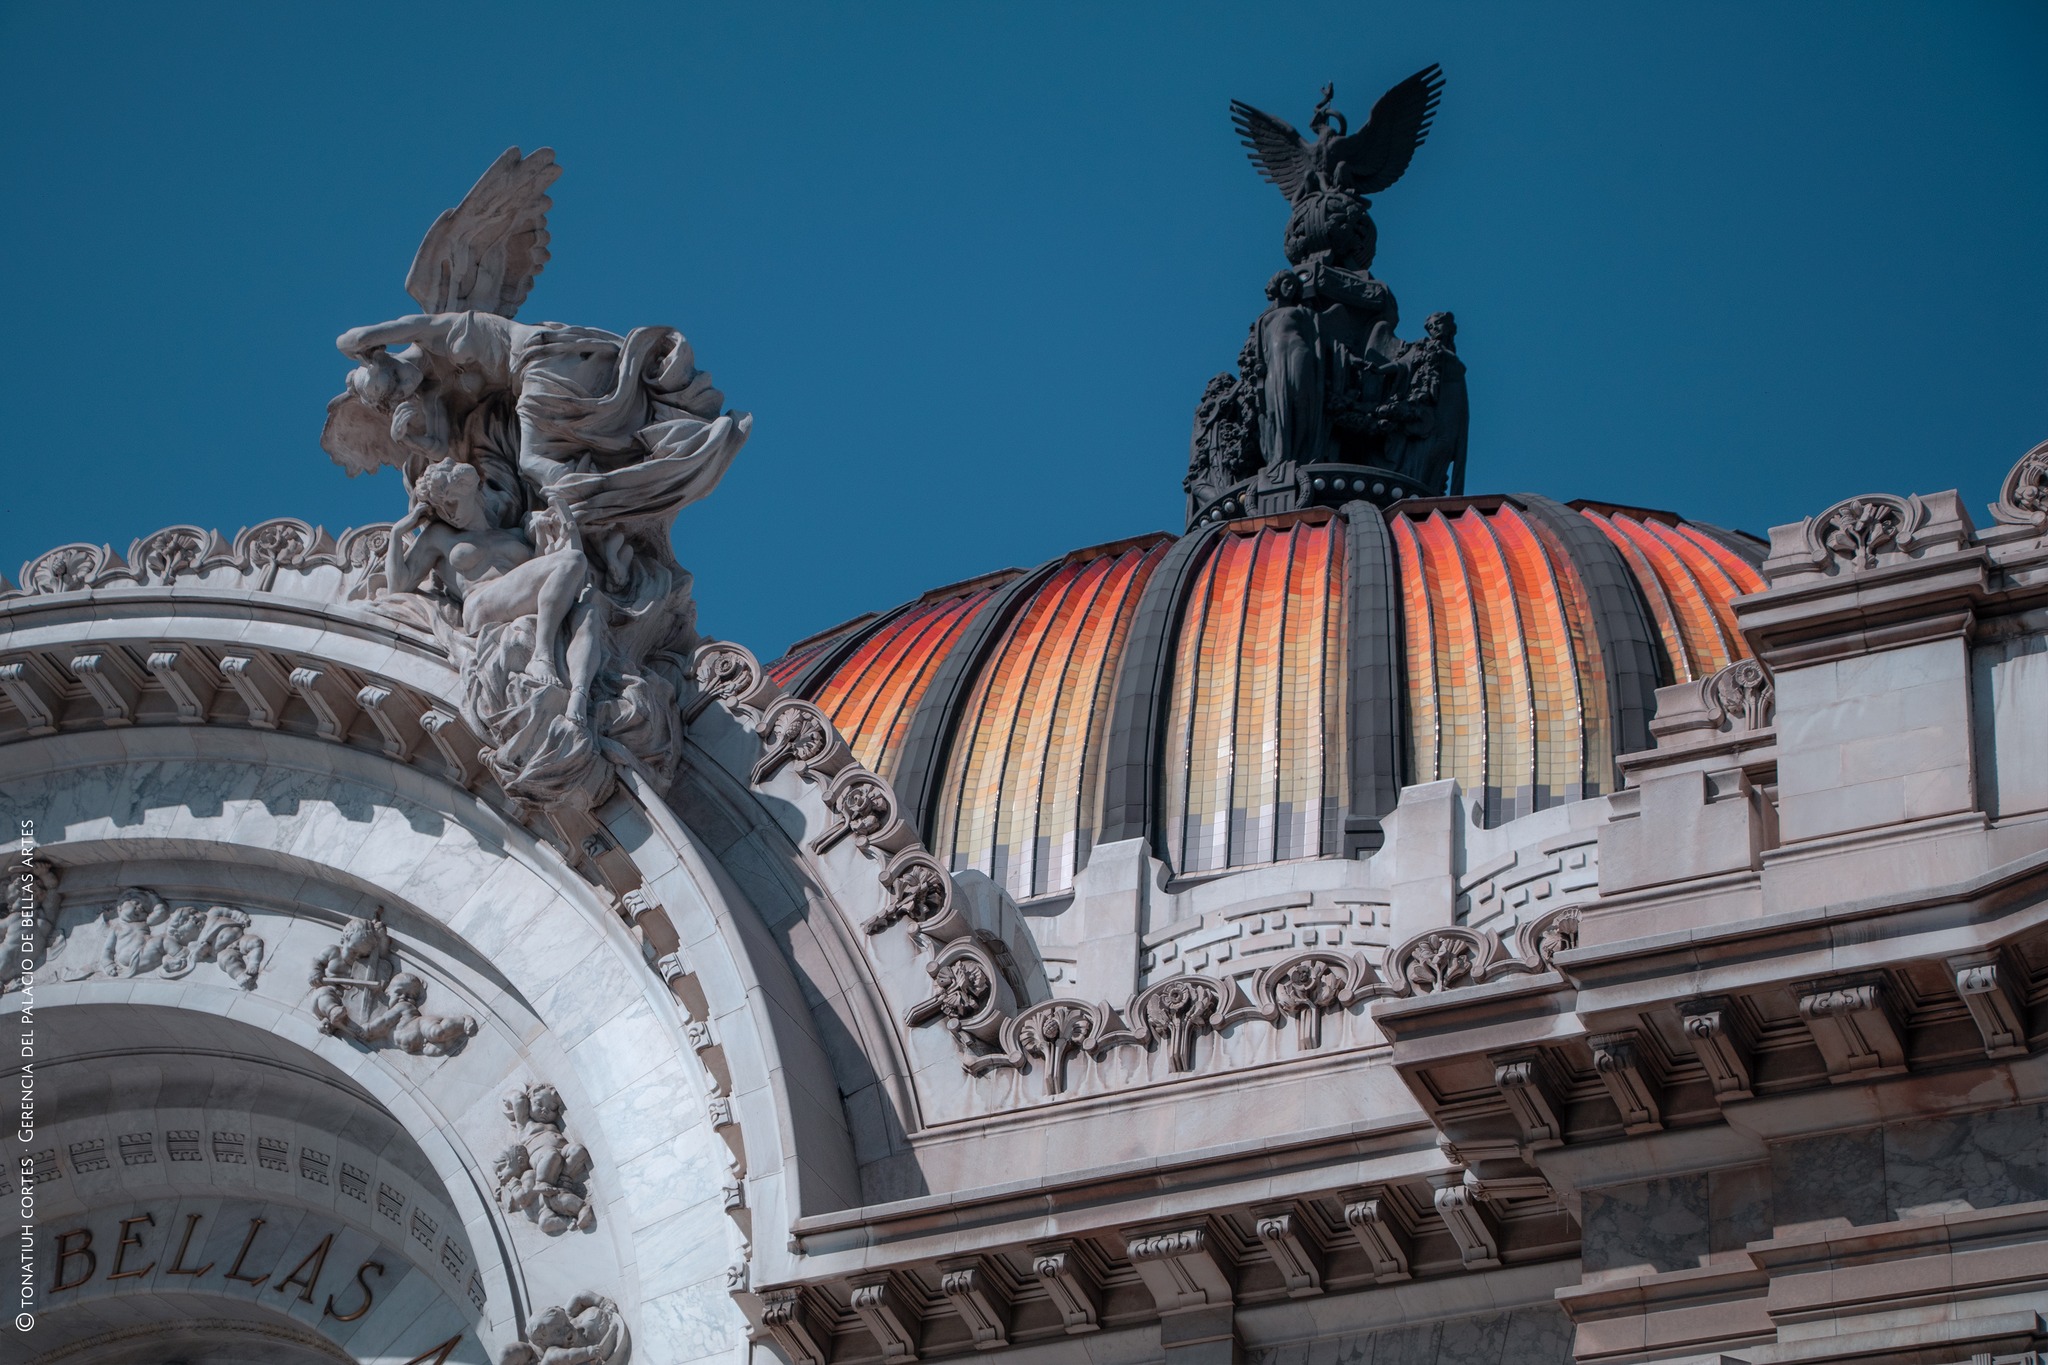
(1260, 690)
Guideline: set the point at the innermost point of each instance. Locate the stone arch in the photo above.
(306, 834)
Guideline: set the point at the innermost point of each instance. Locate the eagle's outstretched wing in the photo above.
(483, 254)
(1378, 154)
(1276, 149)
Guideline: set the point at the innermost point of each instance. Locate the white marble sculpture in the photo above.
(589, 1331)
(31, 920)
(543, 464)
(544, 1174)
(361, 994)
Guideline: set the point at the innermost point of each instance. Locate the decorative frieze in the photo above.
(1721, 1039)
(1855, 1028)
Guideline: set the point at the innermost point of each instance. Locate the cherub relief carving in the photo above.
(543, 1174)
(362, 995)
(589, 1331)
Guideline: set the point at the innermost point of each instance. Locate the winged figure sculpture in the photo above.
(1364, 162)
(543, 465)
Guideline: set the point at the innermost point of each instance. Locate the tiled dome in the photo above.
(1260, 690)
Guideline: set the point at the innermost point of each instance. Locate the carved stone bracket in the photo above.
(112, 681)
(1854, 1025)
(1383, 1235)
(1182, 1267)
(1628, 1071)
(889, 1315)
(259, 683)
(179, 671)
(978, 1299)
(787, 1315)
(1986, 982)
(1471, 1224)
(1523, 1080)
(1294, 1250)
(33, 691)
(1721, 1038)
(1071, 1282)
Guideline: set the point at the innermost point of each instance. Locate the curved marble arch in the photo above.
(293, 828)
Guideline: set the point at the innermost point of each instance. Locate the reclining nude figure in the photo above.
(497, 576)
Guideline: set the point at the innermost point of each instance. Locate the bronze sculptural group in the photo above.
(543, 465)
(1323, 383)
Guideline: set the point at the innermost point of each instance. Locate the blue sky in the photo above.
(970, 264)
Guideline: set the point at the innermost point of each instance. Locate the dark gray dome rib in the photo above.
(1629, 643)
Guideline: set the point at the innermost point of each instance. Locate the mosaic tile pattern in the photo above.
(1688, 579)
(871, 696)
(1507, 692)
(1255, 762)
(1019, 791)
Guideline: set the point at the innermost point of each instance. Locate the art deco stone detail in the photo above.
(1382, 1236)
(543, 1174)
(590, 1330)
(979, 1301)
(1071, 1284)
(1052, 1032)
(1306, 990)
(1294, 1252)
(918, 890)
(1743, 695)
(1471, 1225)
(1630, 1080)
(1175, 1011)
(888, 1316)
(1182, 1267)
(1520, 1078)
(1857, 530)
(2023, 496)
(787, 1316)
(1439, 961)
(360, 994)
(1854, 1027)
(1986, 985)
(1720, 1037)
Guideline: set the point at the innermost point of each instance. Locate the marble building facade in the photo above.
(1366, 926)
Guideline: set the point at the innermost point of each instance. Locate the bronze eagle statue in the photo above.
(1364, 162)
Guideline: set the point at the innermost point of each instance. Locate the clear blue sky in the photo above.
(969, 264)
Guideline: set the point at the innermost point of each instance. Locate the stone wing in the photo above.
(1275, 148)
(484, 253)
(1378, 154)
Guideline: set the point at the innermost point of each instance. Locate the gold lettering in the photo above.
(247, 1242)
(444, 1350)
(65, 1252)
(177, 1265)
(121, 1249)
(316, 1258)
(329, 1312)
